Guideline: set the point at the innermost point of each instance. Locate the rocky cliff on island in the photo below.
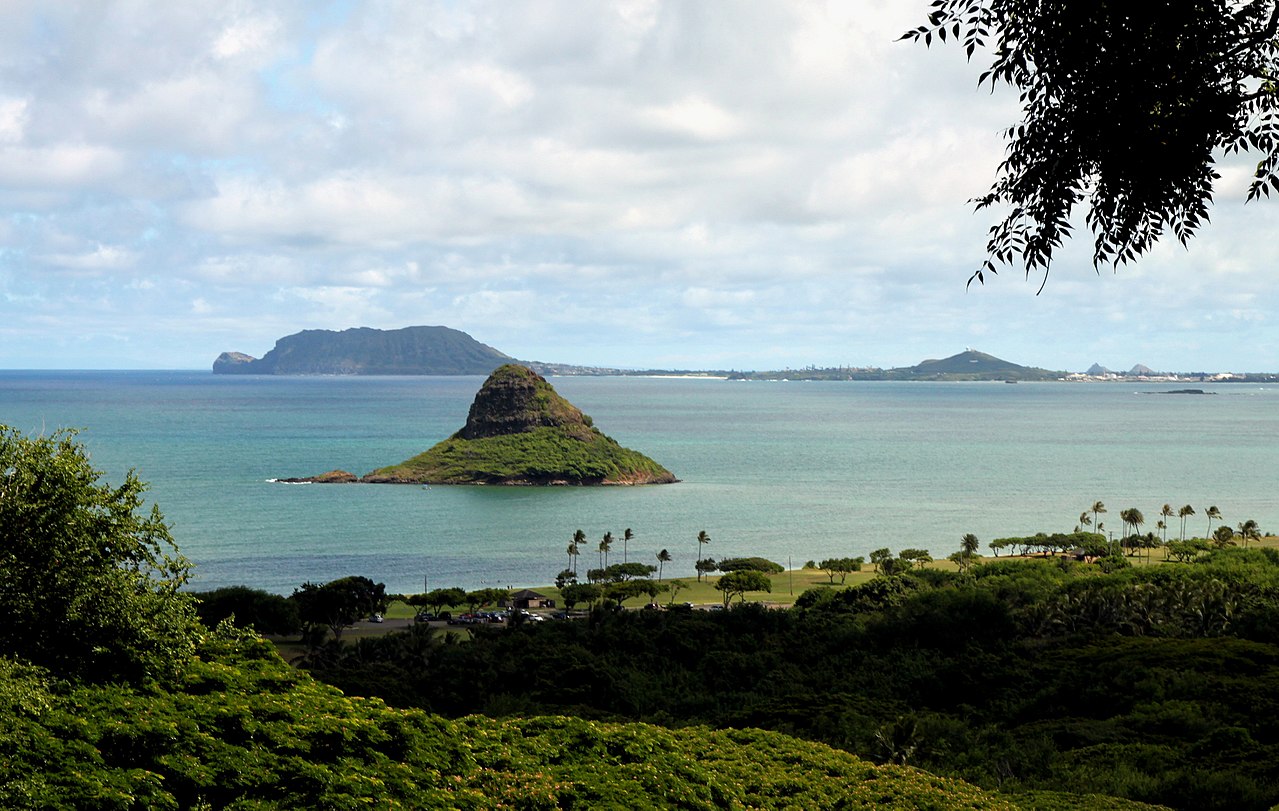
(366, 351)
(520, 431)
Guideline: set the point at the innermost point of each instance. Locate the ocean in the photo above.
(790, 471)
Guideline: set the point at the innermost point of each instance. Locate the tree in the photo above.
(438, 599)
(836, 566)
(705, 566)
(579, 593)
(917, 557)
(1212, 512)
(575, 548)
(757, 563)
(564, 578)
(606, 543)
(89, 580)
(1166, 512)
(961, 559)
(676, 586)
(262, 611)
(1097, 509)
(736, 584)
(338, 603)
(1084, 520)
(702, 539)
(627, 571)
(1249, 531)
(1122, 107)
(969, 544)
(663, 558)
(627, 537)
(878, 557)
(1223, 537)
(1184, 513)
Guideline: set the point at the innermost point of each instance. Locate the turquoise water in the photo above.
(790, 471)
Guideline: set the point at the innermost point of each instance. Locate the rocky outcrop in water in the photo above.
(520, 431)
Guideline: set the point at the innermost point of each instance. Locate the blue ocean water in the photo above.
(790, 471)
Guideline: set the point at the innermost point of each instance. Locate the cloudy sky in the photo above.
(639, 183)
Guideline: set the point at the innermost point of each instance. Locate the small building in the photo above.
(527, 598)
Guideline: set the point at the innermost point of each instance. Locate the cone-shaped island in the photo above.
(521, 432)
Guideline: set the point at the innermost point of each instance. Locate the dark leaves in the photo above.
(1122, 109)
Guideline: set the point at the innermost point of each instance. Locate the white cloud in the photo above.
(103, 257)
(778, 179)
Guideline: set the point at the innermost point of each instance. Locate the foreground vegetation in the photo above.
(1154, 683)
(115, 697)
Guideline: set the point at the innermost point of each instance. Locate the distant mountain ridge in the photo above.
(367, 351)
(967, 365)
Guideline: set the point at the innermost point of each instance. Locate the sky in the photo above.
(694, 185)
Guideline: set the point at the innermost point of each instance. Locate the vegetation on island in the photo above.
(520, 431)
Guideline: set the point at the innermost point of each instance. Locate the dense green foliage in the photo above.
(754, 564)
(262, 611)
(1124, 108)
(241, 729)
(128, 703)
(88, 579)
(1156, 684)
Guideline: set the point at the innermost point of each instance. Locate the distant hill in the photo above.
(967, 365)
(971, 365)
(366, 351)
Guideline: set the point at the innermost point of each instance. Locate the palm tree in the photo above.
(1136, 519)
(1097, 509)
(1167, 512)
(1184, 513)
(663, 557)
(969, 545)
(627, 537)
(575, 548)
(605, 545)
(1249, 531)
(1084, 520)
(1212, 513)
(702, 540)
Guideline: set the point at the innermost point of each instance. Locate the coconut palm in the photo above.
(1167, 512)
(1136, 519)
(605, 545)
(663, 557)
(627, 537)
(1184, 513)
(1212, 512)
(1084, 520)
(1097, 509)
(1249, 531)
(702, 539)
(969, 544)
(575, 548)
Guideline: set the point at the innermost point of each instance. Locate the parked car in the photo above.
(375, 618)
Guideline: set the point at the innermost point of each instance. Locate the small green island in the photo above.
(519, 431)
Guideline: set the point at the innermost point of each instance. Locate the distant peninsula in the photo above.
(519, 431)
(967, 365)
(365, 351)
